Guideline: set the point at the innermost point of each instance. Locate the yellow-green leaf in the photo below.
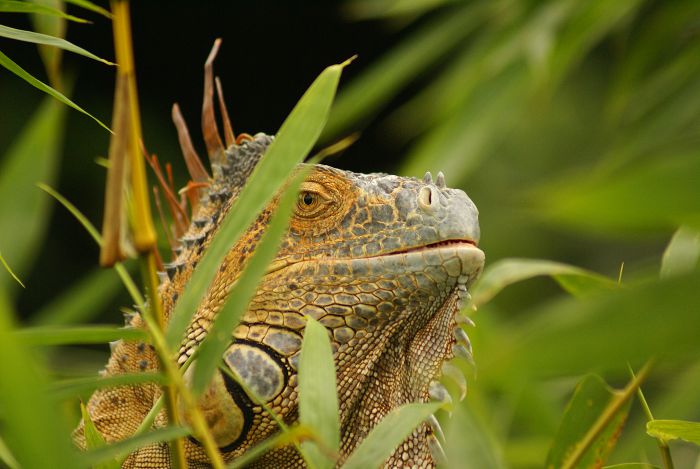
(6, 62)
(318, 398)
(39, 38)
(674, 430)
(388, 434)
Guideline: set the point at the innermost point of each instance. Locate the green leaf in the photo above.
(674, 430)
(291, 436)
(125, 447)
(503, 273)
(218, 338)
(654, 318)
(388, 434)
(6, 456)
(293, 142)
(9, 271)
(38, 38)
(632, 465)
(79, 335)
(71, 388)
(33, 156)
(32, 426)
(591, 399)
(318, 398)
(6, 62)
(94, 439)
(682, 253)
(91, 6)
(16, 6)
(589, 23)
(385, 78)
(54, 26)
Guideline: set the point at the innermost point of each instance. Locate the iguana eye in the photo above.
(308, 198)
(309, 203)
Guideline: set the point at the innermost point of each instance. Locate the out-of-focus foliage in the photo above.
(574, 126)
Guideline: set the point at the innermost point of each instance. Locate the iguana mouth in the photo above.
(439, 244)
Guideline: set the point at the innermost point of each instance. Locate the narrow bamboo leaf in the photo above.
(372, 9)
(55, 26)
(589, 23)
(318, 398)
(293, 142)
(71, 388)
(94, 439)
(632, 465)
(128, 446)
(219, 337)
(682, 253)
(30, 420)
(6, 456)
(388, 434)
(6, 62)
(506, 272)
(295, 434)
(91, 6)
(9, 271)
(85, 299)
(16, 6)
(33, 156)
(38, 38)
(79, 335)
(674, 430)
(591, 398)
(385, 79)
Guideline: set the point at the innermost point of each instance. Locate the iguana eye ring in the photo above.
(309, 203)
(308, 198)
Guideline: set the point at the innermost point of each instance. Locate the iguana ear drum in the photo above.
(259, 368)
(227, 414)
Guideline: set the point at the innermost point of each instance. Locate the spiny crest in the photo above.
(208, 196)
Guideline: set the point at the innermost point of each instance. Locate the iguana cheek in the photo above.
(225, 418)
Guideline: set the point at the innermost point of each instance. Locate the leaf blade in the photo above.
(294, 140)
(318, 398)
(388, 434)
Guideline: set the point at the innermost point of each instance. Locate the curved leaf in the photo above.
(39, 38)
(6, 62)
(499, 275)
(674, 430)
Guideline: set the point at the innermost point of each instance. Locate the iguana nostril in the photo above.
(427, 198)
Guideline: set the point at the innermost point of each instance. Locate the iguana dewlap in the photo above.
(381, 261)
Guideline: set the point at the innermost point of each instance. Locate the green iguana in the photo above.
(382, 261)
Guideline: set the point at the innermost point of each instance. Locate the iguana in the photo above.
(382, 261)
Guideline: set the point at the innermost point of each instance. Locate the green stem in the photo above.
(604, 419)
(663, 445)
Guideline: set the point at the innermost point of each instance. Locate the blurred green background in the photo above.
(574, 125)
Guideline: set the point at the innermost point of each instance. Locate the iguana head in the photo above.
(380, 260)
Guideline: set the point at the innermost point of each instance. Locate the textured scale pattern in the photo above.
(383, 262)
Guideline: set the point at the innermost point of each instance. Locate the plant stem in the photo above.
(154, 314)
(608, 414)
(663, 445)
(199, 425)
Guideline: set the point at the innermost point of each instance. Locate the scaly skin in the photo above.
(381, 261)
